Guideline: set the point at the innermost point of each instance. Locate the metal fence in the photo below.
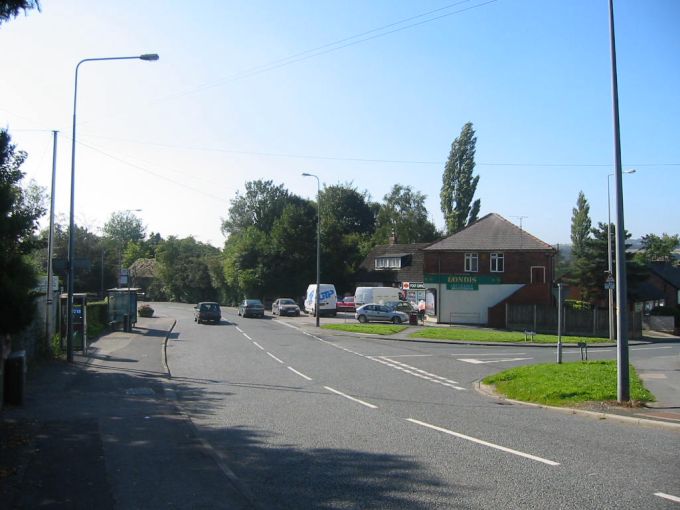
(543, 319)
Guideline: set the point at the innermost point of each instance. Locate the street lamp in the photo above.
(318, 245)
(610, 277)
(71, 233)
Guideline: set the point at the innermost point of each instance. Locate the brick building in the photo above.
(471, 275)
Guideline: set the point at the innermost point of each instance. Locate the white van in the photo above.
(380, 295)
(328, 299)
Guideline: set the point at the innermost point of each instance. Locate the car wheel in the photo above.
(396, 320)
(363, 319)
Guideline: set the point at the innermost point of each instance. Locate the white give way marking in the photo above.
(475, 361)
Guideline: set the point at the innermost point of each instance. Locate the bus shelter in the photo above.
(122, 307)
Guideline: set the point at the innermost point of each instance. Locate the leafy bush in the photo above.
(97, 318)
(145, 311)
(577, 305)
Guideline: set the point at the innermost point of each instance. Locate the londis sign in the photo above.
(462, 281)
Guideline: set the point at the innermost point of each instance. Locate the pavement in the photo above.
(103, 430)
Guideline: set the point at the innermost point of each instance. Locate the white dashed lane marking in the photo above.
(351, 398)
(484, 443)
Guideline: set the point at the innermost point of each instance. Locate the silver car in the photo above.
(374, 312)
(285, 306)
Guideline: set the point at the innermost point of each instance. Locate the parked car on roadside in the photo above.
(207, 311)
(285, 306)
(251, 308)
(345, 304)
(401, 306)
(374, 312)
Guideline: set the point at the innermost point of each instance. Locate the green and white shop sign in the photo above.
(462, 281)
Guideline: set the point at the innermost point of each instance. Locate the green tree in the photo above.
(97, 267)
(259, 207)
(580, 226)
(589, 271)
(659, 248)
(347, 225)
(124, 227)
(245, 262)
(403, 213)
(458, 184)
(10, 8)
(184, 270)
(293, 251)
(19, 215)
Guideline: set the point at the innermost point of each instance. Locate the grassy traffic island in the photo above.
(493, 335)
(374, 329)
(461, 334)
(566, 384)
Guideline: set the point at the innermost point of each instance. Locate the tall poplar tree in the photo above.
(580, 226)
(458, 184)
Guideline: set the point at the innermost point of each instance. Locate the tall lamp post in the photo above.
(622, 370)
(610, 286)
(71, 233)
(318, 245)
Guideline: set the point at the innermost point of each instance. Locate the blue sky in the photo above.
(179, 137)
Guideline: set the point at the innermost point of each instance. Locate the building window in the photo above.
(471, 262)
(388, 263)
(497, 263)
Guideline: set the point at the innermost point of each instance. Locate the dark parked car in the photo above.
(251, 308)
(285, 306)
(346, 304)
(373, 312)
(401, 306)
(207, 311)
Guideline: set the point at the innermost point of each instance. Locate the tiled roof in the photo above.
(412, 272)
(143, 268)
(491, 232)
(667, 272)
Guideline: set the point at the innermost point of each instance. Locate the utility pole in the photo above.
(50, 246)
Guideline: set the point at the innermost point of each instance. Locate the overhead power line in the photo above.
(362, 37)
(366, 160)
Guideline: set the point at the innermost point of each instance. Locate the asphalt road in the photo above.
(303, 418)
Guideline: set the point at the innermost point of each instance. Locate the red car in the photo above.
(345, 304)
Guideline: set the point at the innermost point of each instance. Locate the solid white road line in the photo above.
(649, 348)
(485, 353)
(286, 324)
(274, 357)
(408, 356)
(258, 346)
(299, 373)
(484, 443)
(668, 497)
(351, 398)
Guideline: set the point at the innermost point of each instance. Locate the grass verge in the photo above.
(566, 384)
(489, 335)
(376, 329)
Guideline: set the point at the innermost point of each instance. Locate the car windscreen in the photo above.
(286, 302)
(255, 302)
